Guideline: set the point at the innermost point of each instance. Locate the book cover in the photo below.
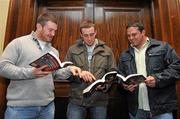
(51, 60)
(132, 78)
(107, 78)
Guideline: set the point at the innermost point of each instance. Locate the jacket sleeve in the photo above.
(171, 73)
(121, 67)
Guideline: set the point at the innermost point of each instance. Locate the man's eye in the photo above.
(50, 29)
(85, 35)
(91, 34)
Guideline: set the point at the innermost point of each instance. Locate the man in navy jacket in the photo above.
(157, 61)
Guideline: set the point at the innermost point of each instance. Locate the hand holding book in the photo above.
(51, 60)
(107, 78)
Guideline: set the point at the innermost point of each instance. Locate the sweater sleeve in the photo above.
(63, 73)
(8, 67)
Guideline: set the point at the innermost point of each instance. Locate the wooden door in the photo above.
(110, 17)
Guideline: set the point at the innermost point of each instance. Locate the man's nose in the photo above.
(88, 37)
(53, 33)
(130, 37)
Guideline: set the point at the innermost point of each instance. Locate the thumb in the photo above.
(42, 67)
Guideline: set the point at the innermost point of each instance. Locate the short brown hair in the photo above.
(139, 25)
(86, 24)
(45, 17)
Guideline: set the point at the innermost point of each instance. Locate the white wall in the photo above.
(4, 5)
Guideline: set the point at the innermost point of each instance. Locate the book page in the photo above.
(122, 77)
(103, 80)
(62, 64)
(135, 79)
(93, 84)
(132, 78)
(56, 58)
(132, 75)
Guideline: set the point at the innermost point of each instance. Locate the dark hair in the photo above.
(45, 17)
(86, 24)
(140, 26)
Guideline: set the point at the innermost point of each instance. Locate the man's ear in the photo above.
(38, 26)
(81, 35)
(144, 32)
(95, 31)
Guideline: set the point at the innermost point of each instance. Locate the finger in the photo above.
(44, 66)
(78, 71)
(89, 77)
(40, 75)
(131, 90)
(45, 72)
(84, 78)
(125, 86)
(93, 77)
(132, 87)
(75, 72)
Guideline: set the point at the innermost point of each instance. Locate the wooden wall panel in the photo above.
(166, 24)
(111, 22)
(3, 97)
(113, 27)
(21, 19)
(174, 12)
(68, 27)
(166, 21)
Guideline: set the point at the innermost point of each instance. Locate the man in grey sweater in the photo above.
(30, 94)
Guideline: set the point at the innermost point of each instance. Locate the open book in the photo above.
(51, 60)
(108, 77)
(132, 78)
(111, 77)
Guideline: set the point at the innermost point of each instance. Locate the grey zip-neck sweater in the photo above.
(24, 89)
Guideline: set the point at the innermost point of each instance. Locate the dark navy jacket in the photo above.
(162, 63)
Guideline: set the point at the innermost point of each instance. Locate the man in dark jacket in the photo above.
(90, 54)
(157, 61)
